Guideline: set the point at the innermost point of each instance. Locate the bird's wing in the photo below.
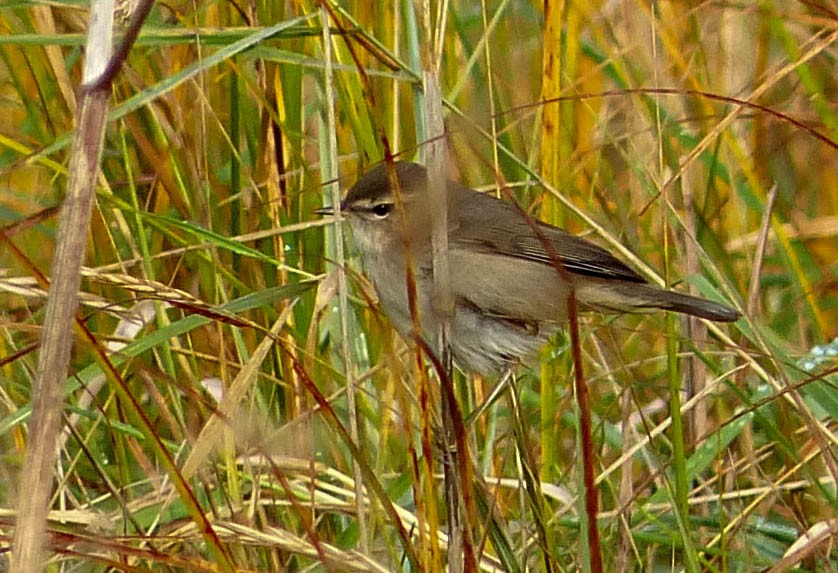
(485, 225)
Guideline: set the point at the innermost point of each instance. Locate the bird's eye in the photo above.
(381, 210)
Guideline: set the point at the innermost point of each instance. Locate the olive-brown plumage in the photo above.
(509, 295)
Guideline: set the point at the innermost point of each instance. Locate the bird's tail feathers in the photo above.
(639, 297)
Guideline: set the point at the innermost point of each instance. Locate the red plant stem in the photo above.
(589, 474)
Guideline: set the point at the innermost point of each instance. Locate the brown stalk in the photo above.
(410, 285)
(429, 544)
(582, 397)
(57, 338)
(455, 457)
(696, 330)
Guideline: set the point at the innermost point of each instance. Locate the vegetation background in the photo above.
(700, 136)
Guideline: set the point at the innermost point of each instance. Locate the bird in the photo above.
(509, 296)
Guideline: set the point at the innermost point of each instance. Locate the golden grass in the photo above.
(673, 123)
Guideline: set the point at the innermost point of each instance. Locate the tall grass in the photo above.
(696, 140)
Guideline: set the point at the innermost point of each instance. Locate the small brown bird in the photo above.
(509, 296)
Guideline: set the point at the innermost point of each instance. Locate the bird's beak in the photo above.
(326, 210)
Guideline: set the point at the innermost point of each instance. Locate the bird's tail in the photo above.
(634, 297)
(652, 297)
